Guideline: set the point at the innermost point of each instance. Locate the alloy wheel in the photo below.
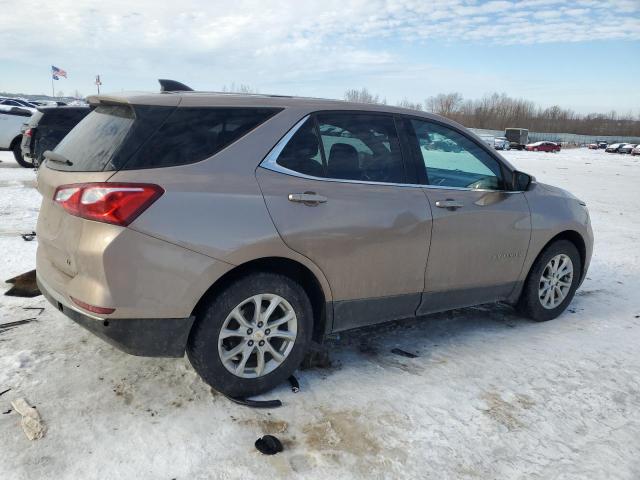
(555, 281)
(257, 336)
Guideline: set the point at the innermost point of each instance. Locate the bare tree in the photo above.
(444, 104)
(499, 111)
(406, 103)
(363, 96)
(240, 88)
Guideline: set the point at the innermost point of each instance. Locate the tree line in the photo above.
(499, 111)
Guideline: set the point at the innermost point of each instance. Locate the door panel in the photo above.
(370, 240)
(481, 231)
(477, 249)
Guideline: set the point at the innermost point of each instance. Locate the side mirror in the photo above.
(522, 181)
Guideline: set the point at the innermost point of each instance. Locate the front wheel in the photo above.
(252, 335)
(552, 282)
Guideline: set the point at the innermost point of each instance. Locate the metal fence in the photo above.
(563, 138)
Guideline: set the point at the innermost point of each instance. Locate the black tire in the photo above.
(529, 304)
(202, 348)
(17, 154)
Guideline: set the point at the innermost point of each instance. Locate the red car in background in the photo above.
(543, 147)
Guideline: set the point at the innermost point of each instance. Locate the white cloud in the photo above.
(285, 41)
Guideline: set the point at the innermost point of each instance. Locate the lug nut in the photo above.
(249, 331)
(250, 343)
(260, 324)
(267, 331)
(261, 343)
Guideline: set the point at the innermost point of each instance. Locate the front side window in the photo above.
(360, 146)
(454, 160)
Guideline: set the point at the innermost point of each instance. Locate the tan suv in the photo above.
(242, 227)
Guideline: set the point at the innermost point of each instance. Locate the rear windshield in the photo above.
(119, 137)
(63, 117)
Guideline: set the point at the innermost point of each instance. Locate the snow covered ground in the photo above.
(491, 395)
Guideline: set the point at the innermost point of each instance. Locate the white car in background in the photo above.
(488, 139)
(501, 143)
(12, 120)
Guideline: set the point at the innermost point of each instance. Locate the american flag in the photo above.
(56, 73)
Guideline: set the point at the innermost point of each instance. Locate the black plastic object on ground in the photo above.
(27, 237)
(295, 386)
(404, 353)
(24, 285)
(268, 445)
(247, 402)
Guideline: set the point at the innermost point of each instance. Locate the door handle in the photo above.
(449, 204)
(307, 198)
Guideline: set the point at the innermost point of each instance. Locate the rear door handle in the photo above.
(307, 198)
(449, 203)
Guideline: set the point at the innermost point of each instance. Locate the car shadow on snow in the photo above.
(394, 343)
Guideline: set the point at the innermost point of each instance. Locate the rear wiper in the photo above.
(56, 157)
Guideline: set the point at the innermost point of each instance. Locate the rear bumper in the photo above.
(148, 337)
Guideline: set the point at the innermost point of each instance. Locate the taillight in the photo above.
(28, 132)
(93, 308)
(116, 203)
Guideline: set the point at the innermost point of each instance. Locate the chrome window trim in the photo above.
(270, 162)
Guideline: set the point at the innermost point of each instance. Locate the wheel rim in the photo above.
(257, 336)
(555, 281)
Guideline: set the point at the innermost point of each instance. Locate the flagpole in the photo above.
(52, 87)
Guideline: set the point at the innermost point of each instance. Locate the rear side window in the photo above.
(192, 134)
(121, 137)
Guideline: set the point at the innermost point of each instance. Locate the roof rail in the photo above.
(167, 85)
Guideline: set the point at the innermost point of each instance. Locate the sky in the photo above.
(583, 54)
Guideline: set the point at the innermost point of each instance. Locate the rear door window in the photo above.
(361, 146)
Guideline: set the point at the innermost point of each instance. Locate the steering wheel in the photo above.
(482, 183)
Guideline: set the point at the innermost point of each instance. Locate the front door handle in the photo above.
(307, 198)
(449, 204)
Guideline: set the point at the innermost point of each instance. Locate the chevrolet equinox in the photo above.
(239, 228)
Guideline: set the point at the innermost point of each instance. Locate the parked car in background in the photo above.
(543, 147)
(241, 227)
(518, 137)
(593, 146)
(488, 139)
(636, 150)
(501, 143)
(627, 147)
(614, 147)
(47, 127)
(12, 120)
(602, 144)
(16, 102)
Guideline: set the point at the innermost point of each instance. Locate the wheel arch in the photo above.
(322, 312)
(575, 238)
(570, 235)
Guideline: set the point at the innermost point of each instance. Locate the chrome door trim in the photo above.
(270, 163)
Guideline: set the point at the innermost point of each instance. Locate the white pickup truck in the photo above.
(12, 120)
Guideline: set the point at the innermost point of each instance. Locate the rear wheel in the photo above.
(252, 335)
(552, 282)
(17, 154)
